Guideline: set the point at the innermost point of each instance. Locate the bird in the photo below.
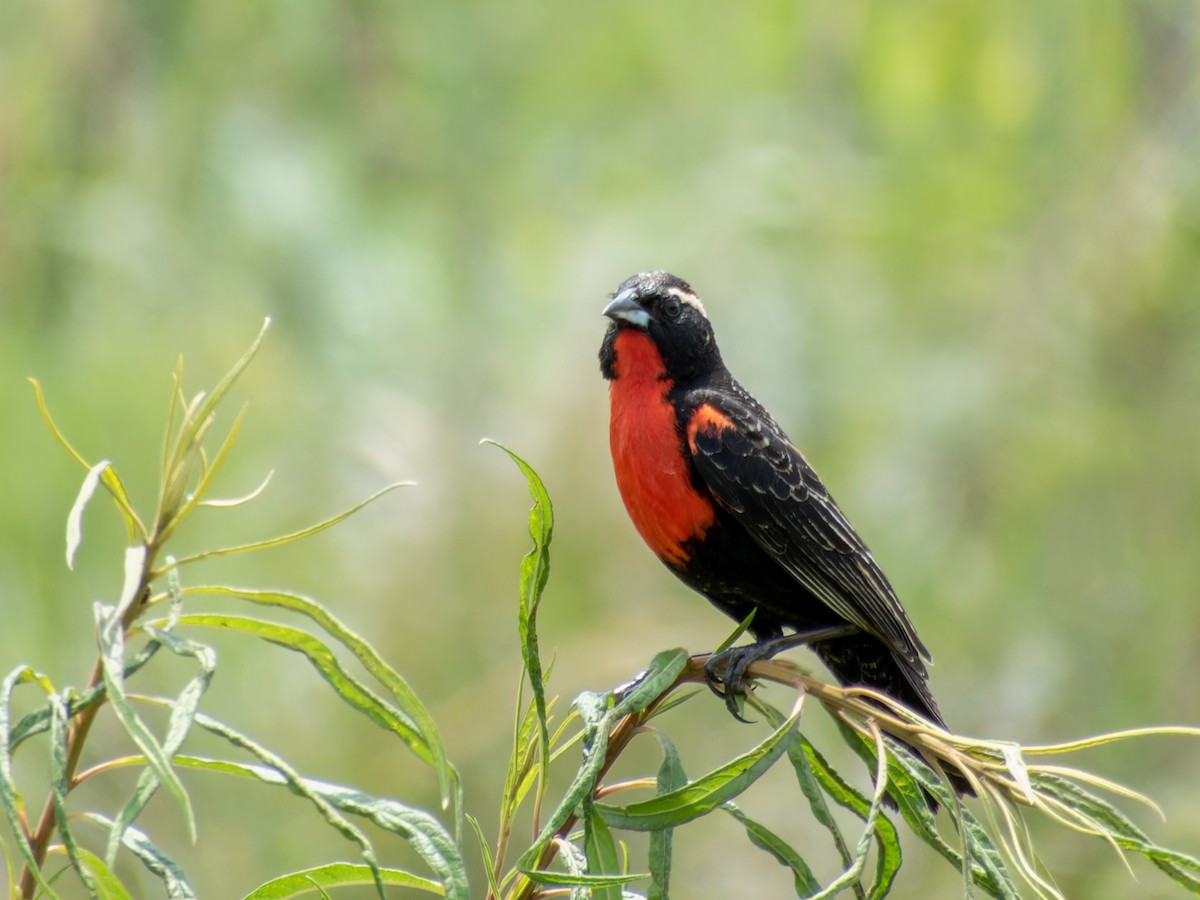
(727, 502)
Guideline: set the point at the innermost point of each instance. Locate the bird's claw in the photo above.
(725, 675)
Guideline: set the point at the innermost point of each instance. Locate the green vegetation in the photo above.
(578, 830)
(953, 247)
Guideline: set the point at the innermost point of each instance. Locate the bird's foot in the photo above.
(725, 672)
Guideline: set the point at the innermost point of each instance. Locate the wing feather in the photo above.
(758, 475)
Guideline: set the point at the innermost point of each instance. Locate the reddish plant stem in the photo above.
(76, 738)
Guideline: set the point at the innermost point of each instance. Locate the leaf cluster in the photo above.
(559, 766)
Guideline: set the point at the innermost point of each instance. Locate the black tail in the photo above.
(861, 659)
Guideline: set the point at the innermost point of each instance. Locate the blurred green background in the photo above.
(954, 247)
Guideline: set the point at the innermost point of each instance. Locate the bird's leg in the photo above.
(725, 672)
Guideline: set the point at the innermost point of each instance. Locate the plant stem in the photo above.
(76, 738)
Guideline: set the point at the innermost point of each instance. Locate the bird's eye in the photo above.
(671, 308)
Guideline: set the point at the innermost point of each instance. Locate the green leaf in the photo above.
(427, 735)
(38, 721)
(59, 787)
(286, 538)
(354, 693)
(489, 863)
(850, 878)
(805, 759)
(75, 516)
(602, 857)
(10, 796)
(183, 713)
(701, 796)
(1113, 823)
(762, 837)
(671, 777)
(650, 685)
(600, 714)
(134, 527)
(107, 885)
(565, 879)
(158, 863)
(112, 656)
(535, 571)
(987, 867)
(308, 881)
(421, 830)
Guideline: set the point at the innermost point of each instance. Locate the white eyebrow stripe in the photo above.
(684, 297)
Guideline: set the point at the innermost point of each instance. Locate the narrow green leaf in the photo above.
(806, 883)
(108, 886)
(489, 863)
(1127, 835)
(112, 655)
(233, 502)
(671, 777)
(131, 587)
(600, 714)
(190, 502)
(987, 866)
(354, 693)
(183, 713)
(421, 830)
(38, 721)
(109, 479)
(701, 796)
(75, 517)
(281, 772)
(286, 538)
(565, 879)
(230, 378)
(851, 877)
(331, 875)
(410, 705)
(650, 685)
(158, 863)
(535, 571)
(10, 795)
(736, 633)
(602, 857)
(804, 758)
(59, 787)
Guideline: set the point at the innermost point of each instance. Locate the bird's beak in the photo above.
(625, 308)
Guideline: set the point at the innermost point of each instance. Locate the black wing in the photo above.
(758, 475)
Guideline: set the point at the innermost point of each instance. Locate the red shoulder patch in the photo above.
(647, 443)
(707, 418)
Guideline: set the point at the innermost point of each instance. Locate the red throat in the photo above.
(647, 449)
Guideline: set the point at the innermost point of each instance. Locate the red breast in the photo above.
(648, 452)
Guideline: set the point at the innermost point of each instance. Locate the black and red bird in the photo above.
(724, 498)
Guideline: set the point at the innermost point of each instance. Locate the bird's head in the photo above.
(666, 309)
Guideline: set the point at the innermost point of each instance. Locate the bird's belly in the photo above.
(653, 476)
